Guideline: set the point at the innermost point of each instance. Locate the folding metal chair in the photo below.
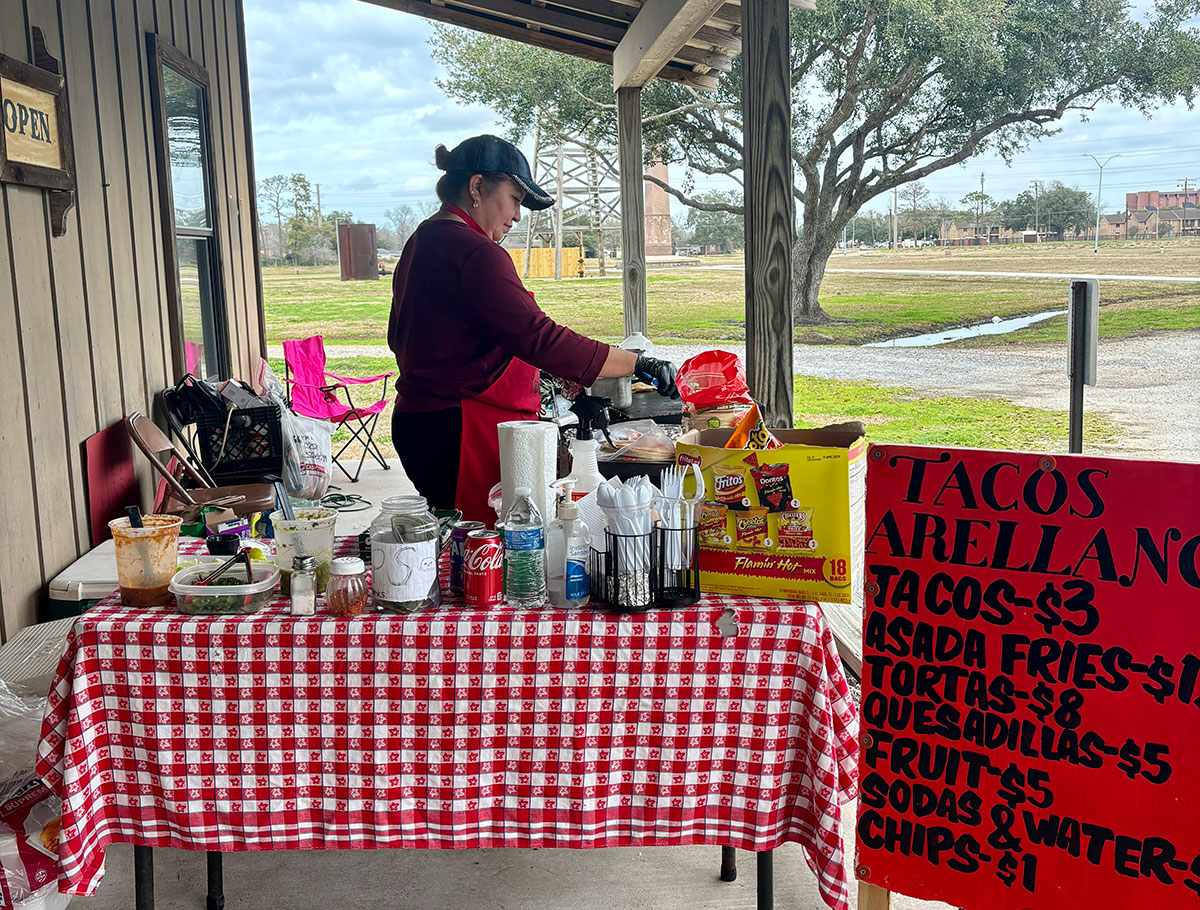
(176, 499)
(312, 395)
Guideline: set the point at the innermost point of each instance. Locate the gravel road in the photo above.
(1148, 385)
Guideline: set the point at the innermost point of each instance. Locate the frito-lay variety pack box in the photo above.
(787, 522)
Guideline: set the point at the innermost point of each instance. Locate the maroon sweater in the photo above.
(460, 314)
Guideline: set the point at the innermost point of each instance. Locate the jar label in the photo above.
(403, 572)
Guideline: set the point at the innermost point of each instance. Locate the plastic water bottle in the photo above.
(524, 553)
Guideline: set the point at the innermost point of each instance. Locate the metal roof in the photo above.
(687, 41)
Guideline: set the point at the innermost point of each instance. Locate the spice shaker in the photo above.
(347, 593)
(304, 585)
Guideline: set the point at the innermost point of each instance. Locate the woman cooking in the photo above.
(469, 338)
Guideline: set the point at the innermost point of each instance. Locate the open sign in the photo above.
(35, 138)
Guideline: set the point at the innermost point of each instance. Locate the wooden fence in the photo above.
(541, 262)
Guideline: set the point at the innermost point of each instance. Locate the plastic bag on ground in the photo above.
(307, 443)
(30, 814)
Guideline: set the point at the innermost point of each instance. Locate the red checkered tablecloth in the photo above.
(453, 727)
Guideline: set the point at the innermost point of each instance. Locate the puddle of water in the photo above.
(999, 327)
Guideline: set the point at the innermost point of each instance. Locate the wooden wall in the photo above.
(84, 318)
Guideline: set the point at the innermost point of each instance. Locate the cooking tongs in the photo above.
(242, 555)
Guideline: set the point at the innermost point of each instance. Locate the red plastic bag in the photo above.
(712, 379)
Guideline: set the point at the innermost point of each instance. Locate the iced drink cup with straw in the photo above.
(147, 558)
(310, 533)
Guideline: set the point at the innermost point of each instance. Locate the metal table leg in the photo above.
(143, 878)
(766, 880)
(216, 889)
(728, 864)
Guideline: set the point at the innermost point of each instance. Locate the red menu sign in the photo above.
(1031, 680)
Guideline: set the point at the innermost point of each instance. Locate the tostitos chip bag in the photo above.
(752, 433)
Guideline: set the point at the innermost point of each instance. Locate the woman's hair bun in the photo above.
(441, 157)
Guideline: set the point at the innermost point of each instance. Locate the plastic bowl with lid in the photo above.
(227, 594)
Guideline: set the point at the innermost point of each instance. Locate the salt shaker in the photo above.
(304, 585)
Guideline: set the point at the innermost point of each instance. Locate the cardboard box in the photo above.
(801, 539)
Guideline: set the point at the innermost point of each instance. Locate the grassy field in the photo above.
(698, 305)
(899, 415)
(692, 305)
(1180, 257)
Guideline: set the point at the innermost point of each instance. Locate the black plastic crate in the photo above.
(241, 446)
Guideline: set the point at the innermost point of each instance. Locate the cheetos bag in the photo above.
(752, 433)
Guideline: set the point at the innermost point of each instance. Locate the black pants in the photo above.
(428, 443)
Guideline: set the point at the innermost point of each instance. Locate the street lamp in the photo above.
(1099, 187)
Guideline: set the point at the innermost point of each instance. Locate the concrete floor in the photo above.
(374, 485)
(626, 878)
(615, 879)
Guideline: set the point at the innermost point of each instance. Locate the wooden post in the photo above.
(633, 209)
(558, 217)
(872, 897)
(770, 207)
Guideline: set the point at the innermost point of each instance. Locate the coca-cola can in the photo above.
(483, 569)
(458, 547)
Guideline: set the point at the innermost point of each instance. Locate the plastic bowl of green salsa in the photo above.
(229, 593)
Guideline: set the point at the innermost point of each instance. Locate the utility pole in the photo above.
(1037, 189)
(1183, 214)
(1099, 187)
(979, 216)
(319, 220)
(895, 206)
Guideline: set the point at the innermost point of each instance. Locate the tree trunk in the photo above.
(809, 257)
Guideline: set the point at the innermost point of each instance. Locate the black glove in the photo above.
(658, 373)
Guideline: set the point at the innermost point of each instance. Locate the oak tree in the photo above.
(884, 92)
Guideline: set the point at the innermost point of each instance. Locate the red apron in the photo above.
(514, 396)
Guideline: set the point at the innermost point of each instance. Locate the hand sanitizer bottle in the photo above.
(568, 554)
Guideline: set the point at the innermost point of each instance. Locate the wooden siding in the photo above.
(85, 321)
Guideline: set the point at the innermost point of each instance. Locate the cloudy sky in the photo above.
(343, 91)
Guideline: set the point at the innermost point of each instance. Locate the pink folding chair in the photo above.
(313, 395)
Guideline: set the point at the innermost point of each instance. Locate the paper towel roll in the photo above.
(529, 458)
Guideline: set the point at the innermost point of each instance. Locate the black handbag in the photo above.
(192, 398)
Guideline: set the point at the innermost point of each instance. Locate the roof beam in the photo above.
(548, 36)
(528, 15)
(657, 35)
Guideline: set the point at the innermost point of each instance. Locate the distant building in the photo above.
(970, 233)
(1182, 221)
(1158, 199)
(1112, 227)
(658, 214)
